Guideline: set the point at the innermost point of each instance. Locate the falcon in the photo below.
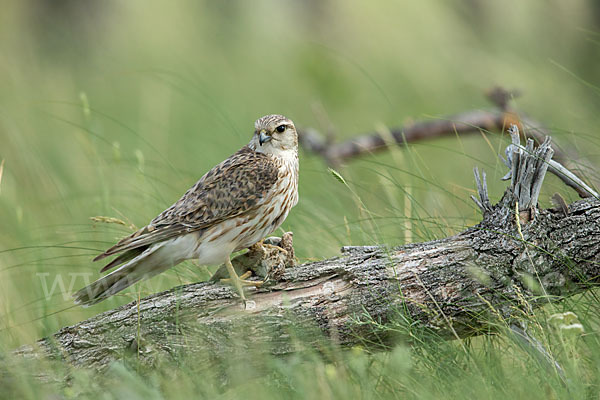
(233, 206)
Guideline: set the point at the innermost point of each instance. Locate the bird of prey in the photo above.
(233, 206)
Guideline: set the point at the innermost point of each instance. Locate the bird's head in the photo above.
(274, 134)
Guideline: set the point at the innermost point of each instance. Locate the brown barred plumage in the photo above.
(234, 205)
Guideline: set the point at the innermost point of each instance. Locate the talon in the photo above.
(245, 282)
(239, 281)
(246, 275)
(253, 283)
(242, 280)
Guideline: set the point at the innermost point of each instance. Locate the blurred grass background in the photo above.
(116, 108)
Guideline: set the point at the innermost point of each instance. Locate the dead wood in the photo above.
(455, 287)
(498, 119)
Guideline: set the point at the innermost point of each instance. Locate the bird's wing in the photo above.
(232, 188)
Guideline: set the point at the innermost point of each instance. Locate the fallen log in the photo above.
(453, 287)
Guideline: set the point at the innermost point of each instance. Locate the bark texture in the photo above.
(451, 286)
(455, 287)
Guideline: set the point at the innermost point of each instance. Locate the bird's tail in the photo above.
(152, 261)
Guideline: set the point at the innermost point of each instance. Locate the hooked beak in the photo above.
(263, 137)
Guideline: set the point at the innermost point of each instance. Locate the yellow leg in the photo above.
(239, 281)
(243, 281)
(234, 279)
(246, 275)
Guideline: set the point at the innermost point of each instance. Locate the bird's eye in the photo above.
(280, 128)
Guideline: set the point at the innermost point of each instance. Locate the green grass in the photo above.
(115, 108)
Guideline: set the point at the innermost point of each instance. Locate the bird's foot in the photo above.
(242, 279)
(266, 259)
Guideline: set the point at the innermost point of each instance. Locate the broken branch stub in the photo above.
(474, 121)
(528, 168)
(453, 287)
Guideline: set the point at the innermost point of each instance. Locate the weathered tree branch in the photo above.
(468, 122)
(453, 287)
